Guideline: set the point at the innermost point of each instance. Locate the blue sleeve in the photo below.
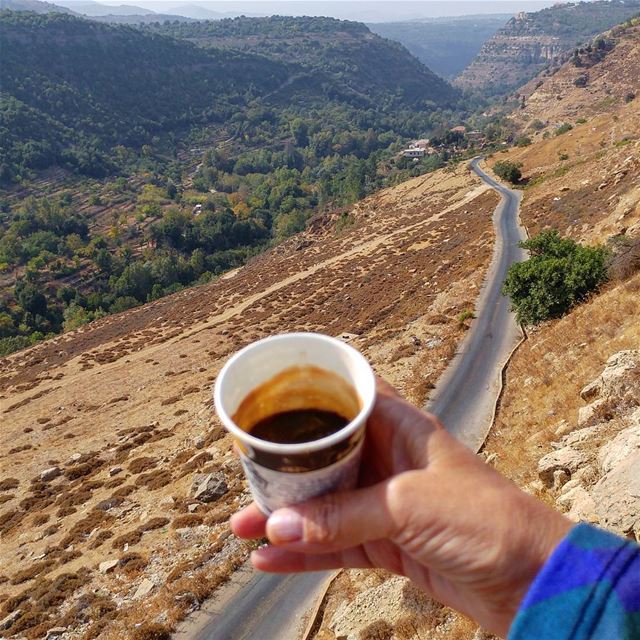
(588, 590)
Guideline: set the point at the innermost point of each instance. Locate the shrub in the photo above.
(559, 274)
(508, 170)
(524, 141)
(581, 81)
(564, 128)
(464, 316)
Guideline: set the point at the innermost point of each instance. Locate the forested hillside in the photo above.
(377, 72)
(446, 45)
(532, 41)
(181, 162)
(73, 89)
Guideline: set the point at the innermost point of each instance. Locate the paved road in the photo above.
(269, 607)
(266, 606)
(466, 395)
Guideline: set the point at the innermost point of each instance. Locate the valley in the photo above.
(142, 244)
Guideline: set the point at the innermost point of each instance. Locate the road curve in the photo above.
(268, 607)
(466, 394)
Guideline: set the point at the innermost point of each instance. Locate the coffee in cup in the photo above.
(297, 406)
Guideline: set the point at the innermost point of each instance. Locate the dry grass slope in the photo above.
(118, 414)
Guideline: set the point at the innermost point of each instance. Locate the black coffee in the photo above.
(296, 427)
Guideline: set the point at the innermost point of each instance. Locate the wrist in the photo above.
(536, 532)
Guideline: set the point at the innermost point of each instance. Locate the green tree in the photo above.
(300, 132)
(559, 274)
(31, 299)
(508, 170)
(75, 316)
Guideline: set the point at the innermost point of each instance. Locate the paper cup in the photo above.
(286, 373)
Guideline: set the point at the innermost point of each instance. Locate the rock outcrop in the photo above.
(530, 42)
(208, 487)
(600, 460)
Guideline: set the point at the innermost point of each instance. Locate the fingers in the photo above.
(250, 523)
(335, 522)
(274, 560)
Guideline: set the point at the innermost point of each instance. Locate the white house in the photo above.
(414, 153)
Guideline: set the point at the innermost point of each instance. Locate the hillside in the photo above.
(531, 42)
(37, 6)
(61, 105)
(171, 85)
(567, 425)
(599, 78)
(96, 9)
(446, 45)
(118, 415)
(376, 71)
(123, 187)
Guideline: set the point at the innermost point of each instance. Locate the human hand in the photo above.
(427, 508)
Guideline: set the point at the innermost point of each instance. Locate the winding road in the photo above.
(466, 395)
(269, 607)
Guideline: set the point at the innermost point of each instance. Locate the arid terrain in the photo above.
(105, 429)
(568, 441)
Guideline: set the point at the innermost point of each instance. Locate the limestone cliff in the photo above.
(529, 42)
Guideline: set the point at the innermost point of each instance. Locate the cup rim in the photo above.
(305, 447)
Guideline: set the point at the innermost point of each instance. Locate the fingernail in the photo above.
(285, 525)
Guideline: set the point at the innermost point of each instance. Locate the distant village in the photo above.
(425, 147)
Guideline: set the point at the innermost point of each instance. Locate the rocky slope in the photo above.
(599, 78)
(594, 466)
(532, 41)
(116, 481)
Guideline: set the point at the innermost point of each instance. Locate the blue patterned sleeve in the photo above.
(588, 590)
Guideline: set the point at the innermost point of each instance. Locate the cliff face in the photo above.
(597, 79)
(507, 61)
(529, 42)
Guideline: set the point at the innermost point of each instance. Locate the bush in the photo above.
(508, 170)
(524, 141)
(563, 128)
(13, 343)
(559, 274)
(581, 81)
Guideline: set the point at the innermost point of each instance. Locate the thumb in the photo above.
(335, 522)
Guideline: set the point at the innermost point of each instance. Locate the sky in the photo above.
(363, 10)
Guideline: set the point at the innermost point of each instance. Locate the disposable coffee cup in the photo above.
(299, 373)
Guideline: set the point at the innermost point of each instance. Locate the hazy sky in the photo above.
(364, 10)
